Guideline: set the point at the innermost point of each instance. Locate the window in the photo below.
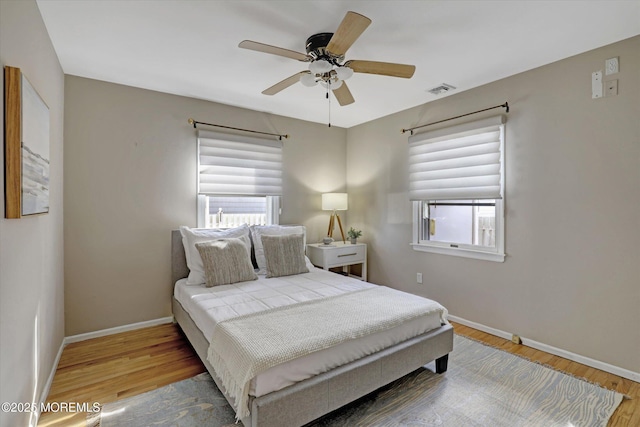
(233, 211)
(239, 180)
(456, 180)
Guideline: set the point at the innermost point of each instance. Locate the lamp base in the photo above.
(332, 224)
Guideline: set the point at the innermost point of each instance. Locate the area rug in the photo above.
(483, 387)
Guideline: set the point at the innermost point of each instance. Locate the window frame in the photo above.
(273, 209)
(458, 249)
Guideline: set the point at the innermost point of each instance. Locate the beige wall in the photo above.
(130, 177)
(571, 278)
(31, 248)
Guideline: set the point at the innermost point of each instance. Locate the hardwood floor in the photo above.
(117, 366)
(110, 368)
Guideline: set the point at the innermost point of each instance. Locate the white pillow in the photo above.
(257, 231)
(191, 236)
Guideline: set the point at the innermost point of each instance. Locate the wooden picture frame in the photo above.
(26, 147)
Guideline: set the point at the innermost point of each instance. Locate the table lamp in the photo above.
(334, 202)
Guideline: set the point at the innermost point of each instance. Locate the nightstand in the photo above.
(339, 254)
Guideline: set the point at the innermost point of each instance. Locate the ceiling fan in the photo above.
(325, 54)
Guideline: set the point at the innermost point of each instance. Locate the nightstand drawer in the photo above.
(339, 255)
(346, 255)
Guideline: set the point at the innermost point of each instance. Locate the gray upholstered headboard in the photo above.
(179, 269)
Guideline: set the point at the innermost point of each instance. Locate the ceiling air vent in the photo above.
(441, 89)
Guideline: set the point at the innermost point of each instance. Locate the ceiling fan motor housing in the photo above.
(316, 47)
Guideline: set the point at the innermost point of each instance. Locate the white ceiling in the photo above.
(190, 48)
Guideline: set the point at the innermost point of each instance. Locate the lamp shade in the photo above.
(334, 202)
(308, 80)
(344, 72)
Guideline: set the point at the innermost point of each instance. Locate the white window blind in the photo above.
(458, 163)
(237, 165)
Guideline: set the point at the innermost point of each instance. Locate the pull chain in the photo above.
(329, 100)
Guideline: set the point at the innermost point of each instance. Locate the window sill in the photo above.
(465, 253)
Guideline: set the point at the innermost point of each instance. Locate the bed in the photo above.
(276, 399)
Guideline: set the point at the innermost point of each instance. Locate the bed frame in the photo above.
(312, 398)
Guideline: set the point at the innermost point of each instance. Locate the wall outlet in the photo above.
(516, 339)
(419, 278)
(611, 66)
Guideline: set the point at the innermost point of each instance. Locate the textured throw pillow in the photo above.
(191, 236)
(257, 231)
(284, 255)
(226, 261)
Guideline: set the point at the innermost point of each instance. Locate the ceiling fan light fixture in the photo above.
(308, 80)
(320, 66)
(344, 73)
(333, 84)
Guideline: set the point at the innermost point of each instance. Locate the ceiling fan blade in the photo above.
(382, 68)
(289, 81)
(261, 47)
(343, 95)
(352, 25)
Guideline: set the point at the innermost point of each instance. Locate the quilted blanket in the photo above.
(245, 346)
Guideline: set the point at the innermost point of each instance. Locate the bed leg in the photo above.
(441, 364)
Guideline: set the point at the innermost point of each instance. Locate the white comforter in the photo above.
(208, 306)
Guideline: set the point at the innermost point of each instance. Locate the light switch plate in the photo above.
(611, 66)
(596, 84)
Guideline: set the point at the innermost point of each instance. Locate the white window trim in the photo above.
(274, 209)
(465, 251)
(201, 209)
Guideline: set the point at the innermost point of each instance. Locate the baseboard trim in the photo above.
(47, 386)
(117, 330)
(612, 369)
(54, 368)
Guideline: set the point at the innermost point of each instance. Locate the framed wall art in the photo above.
(26, 147)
